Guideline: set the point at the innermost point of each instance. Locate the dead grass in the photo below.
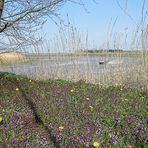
(11, 57)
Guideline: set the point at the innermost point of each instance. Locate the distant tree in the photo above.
(20, 19)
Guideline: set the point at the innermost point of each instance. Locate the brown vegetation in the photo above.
(11, 57)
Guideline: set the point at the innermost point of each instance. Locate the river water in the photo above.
(80, 67)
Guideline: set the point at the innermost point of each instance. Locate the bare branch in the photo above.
(22, 18)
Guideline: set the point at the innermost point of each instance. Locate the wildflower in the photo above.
(96, 144)
(91, 108)
(72, 90)
(30, 81)
(87, 99)
(17, 89)
(129, 146)
(124, 99)
(97, 132)
(110, 135)
(61, 127)
(116, 84)
(1, 119)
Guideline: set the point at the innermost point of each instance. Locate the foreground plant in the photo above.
(17, 89)
(115, 119)
(61, 127)
(1, 119)
(96, 144)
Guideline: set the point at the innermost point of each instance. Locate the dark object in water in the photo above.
(102, 62)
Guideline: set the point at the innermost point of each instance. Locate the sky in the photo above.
(101, 22)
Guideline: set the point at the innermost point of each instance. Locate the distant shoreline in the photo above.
(100, 53)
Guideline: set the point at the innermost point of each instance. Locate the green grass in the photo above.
(32, 114)
(95, 52)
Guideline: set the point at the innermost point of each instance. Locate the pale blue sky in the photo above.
(99, 20)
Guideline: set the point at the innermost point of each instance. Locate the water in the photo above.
(64, 66)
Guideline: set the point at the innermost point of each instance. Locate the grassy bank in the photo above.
(58, 113)
(95, 53)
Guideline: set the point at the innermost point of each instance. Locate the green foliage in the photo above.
(111, 116)
(8, 75)
(59, 81)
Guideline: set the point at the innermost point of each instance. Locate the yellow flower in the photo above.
(87, 99)
(129, 146)
(61, 127)
(124, 99)
(91, 108)
(72, 90)
(17, 89)
(96, 144)
(1, 119)
(110, 135)
(30, 81)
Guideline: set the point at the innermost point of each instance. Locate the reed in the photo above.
(73, 60)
